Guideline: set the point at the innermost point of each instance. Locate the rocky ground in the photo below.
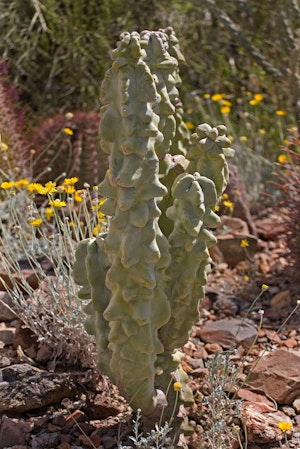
(41, 408)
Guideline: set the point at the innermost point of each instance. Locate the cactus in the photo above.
(147, 274)
(78, 154)
(14, 150)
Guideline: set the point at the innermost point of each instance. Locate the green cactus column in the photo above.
(135, 246)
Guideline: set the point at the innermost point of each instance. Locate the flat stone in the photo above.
(228, 332)
(24, 387)
(277, 374)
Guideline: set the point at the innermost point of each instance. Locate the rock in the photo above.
(281, 300)
(249, 396)
(13, 432)
(24, 387)
(228, 332)
(263, 427)
(7, 335)
(236, 192)
(277, 374)
(45, 440)
(231, 225)
(102, 407)
(271, 227)
(6, 307)
(230, 247)
(296, 405)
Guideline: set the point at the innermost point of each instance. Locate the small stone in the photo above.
(213, 348)
(76, 416)
(13, 432)
(296, 405)
(6, 307)
(281, 300)
(7, 335)
(109, 442)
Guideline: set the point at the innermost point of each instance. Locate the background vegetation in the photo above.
(247, 51)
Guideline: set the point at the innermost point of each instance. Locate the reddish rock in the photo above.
(13, 432)
(281, 300)
(228, 332)
(232, 225)
(263, 427)
(230, 247)
(277, 374)
(6, 307)
(7, 335)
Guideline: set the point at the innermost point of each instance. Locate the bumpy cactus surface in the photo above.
(145, 277)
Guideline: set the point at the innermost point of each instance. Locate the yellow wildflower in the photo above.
(225, 110)
(264, 287)
(70, 181)
(229, 204)
(21, 183)
(6, 185)
(243, 138)
(69, 189)
(49, 213)
(244, 243)
(68, 131)
(245, 278)
(190, 125)
(218, 97)
(3, 146)
(50, 188)
(177, 386)
(284, 158)
(257, 98)
(280, 112)
(226, 103)
(35, 222)
(206, 96)
(35, 187)
(284, 426)
(225, 196)
(97, 229)
(57, 203)
(78, 196)
(261, 132)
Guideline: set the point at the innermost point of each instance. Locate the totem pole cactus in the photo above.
(145, 277)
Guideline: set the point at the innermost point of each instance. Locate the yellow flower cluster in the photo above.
(225, 105)
(257, 99)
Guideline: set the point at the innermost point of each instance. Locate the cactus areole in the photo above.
(146, 275)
